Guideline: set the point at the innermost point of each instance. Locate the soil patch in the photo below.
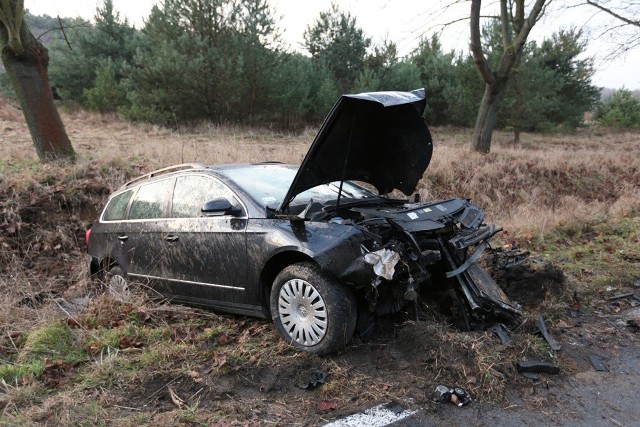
(530, 286)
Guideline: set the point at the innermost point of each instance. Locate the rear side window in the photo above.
(191, 192)
(151, 200)
(117, 207)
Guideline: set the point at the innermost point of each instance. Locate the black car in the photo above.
(311, 247)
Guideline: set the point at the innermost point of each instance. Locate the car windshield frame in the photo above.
(267, 185)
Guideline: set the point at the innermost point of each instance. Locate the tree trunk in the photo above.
(487, 116)
(496, 81)
(519, 105)
(30, 80)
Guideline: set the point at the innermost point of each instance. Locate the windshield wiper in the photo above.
(343, 190)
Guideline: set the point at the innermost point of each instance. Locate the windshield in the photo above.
(268, 185)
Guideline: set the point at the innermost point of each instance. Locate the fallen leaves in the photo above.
(57, 373)
(327, 405)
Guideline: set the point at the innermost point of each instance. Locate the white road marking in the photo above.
(378, 416)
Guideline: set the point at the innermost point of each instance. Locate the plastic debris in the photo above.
(456, 395)
(620, 296)
(555, 345)
(597, 363)
(312, 379)
(531, 375)
(499, 330)
(537, 366)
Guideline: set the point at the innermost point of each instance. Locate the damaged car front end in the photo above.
(406, 249)
(410, 249)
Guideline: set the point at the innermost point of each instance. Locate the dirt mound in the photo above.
(45, 212)
(528, 285)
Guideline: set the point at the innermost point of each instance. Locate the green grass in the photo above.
(597, 255)
(53, 340)
(49, 342)
(16, 374)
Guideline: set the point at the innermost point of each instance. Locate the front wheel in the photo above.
(312, 311)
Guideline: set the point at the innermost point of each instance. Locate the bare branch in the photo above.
(612, 13)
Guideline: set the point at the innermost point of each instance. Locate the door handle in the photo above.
(123, 237)
(171, 238)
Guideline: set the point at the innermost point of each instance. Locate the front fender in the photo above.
(332, 246)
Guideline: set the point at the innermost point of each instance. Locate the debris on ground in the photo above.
(633, 325)
(597, 363)
(620, 296)
(456, 395)
(500, 331)
(542, 328)
(531, 375)
(311, 379)
(538, 366)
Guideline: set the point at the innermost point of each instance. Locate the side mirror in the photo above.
(219, 207)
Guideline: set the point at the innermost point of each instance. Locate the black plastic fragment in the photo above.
(537, 366)
(620, 296)
(394, 407)
(597, 363)
(555, 345)
(499, 330)
(531, 375)
(312, 379)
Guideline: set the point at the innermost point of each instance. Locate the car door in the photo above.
(110, 237)
(206, 254)
(145, 230)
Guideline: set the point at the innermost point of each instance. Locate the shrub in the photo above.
(620, 111)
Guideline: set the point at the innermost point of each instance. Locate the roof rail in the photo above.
(162, 171)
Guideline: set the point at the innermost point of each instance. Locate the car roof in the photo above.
(188, 167)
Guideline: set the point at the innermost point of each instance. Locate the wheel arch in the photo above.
(272, 268)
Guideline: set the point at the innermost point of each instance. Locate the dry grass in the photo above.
(548, 181)
(575, 197)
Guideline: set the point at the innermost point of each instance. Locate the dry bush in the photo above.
(530, 190)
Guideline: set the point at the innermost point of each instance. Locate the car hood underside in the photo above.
(379, 138)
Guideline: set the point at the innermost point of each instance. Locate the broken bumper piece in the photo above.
(482, 294)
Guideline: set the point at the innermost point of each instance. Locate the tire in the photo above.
(297, 290)
(117, 284)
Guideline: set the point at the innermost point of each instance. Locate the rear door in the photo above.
(206, 255)
(146, 227)
(110, 237)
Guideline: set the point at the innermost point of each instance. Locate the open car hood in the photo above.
(379, 138)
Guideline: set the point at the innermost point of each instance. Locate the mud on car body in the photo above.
(305, 246)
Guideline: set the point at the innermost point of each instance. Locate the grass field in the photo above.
(71, 355)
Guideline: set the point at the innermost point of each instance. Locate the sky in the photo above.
(401, 21)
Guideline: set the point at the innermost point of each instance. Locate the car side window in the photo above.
(117, 207)
(151, 199)
(191, 192)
